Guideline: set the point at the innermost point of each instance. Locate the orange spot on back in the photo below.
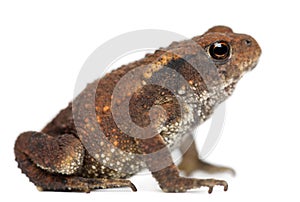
(105, 108)
(116, 143)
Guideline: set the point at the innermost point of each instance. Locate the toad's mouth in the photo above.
(250, 65)
(254, 65)
(229, 88)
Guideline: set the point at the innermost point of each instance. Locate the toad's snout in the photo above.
(252, 48)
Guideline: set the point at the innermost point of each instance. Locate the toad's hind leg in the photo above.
(191, 162)
(54, 163)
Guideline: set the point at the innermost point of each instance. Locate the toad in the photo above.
(133, 117)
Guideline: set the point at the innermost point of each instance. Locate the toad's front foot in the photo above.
(182, 184)
(191, 162)
(190, 165)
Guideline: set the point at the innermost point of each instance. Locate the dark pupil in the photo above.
(219, 50)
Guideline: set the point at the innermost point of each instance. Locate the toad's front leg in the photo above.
(157, 154)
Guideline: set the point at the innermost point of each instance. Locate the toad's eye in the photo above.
(219, 50)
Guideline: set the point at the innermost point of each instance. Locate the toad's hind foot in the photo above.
(80, 184)
(88, 184)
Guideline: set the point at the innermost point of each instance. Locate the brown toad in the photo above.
(98, 141)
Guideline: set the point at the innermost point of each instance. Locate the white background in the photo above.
(43, 46)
